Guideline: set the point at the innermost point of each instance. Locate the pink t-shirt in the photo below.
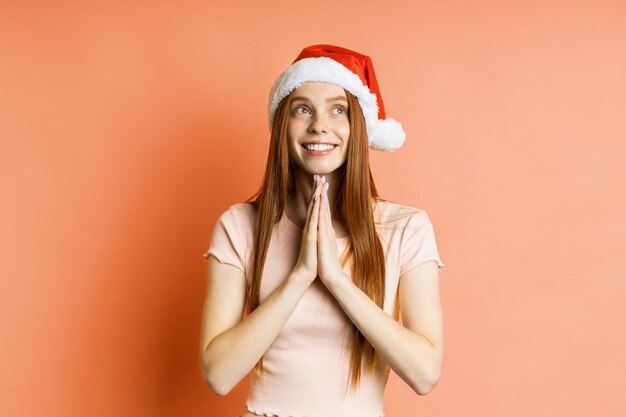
(307, 365)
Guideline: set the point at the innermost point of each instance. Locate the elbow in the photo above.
(214, 385)
(428, 382)
(425, 387)
(213, 381)
(216, 388)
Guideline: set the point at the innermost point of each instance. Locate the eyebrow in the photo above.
(337, 98)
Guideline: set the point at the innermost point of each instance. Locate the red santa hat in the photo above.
(350, 70)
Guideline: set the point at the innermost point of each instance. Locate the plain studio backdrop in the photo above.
(126, 128)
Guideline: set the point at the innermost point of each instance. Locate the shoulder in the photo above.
(242, 210)
(395, 215)
(238, 216)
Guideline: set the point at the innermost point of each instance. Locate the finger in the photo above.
(324, 218)
(313, 218)
(328, 224)
(315, 183)
(311, 200)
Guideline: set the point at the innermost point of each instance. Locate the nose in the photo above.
(318, 125)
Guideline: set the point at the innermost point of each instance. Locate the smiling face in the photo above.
(318, 127)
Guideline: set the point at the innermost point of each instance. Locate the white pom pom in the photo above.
(387, 135)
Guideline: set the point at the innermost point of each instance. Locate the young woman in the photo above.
(323, 263)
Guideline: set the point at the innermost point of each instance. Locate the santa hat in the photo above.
(350, 70)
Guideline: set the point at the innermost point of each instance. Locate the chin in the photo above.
(323, 169)
(320, 166)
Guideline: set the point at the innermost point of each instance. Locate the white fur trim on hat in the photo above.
(384, 135)
(387, 135)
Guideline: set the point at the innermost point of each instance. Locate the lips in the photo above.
(319, 143)
(319, 152)
(304, 145)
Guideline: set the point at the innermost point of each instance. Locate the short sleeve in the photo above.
(418, 243)
(229, 239)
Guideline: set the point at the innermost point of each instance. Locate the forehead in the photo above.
(318, 88)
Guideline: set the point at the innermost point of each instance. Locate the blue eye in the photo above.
(304, 110)
(340, 110)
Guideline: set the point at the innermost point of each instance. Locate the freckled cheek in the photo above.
(344, 133)
(294, 129)
(293, 132)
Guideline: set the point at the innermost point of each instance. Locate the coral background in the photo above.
(126, 128)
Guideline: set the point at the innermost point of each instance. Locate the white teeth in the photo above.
(313, 147)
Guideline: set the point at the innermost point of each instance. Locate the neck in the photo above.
(297, 207)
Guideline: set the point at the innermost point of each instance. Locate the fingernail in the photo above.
(327, 185)
(324, 178)
(316, 197)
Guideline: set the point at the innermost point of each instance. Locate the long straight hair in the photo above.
(353, 205)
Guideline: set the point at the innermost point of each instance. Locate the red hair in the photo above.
(353, 205)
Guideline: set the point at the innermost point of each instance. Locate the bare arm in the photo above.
(413, 349)
(231, 347)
